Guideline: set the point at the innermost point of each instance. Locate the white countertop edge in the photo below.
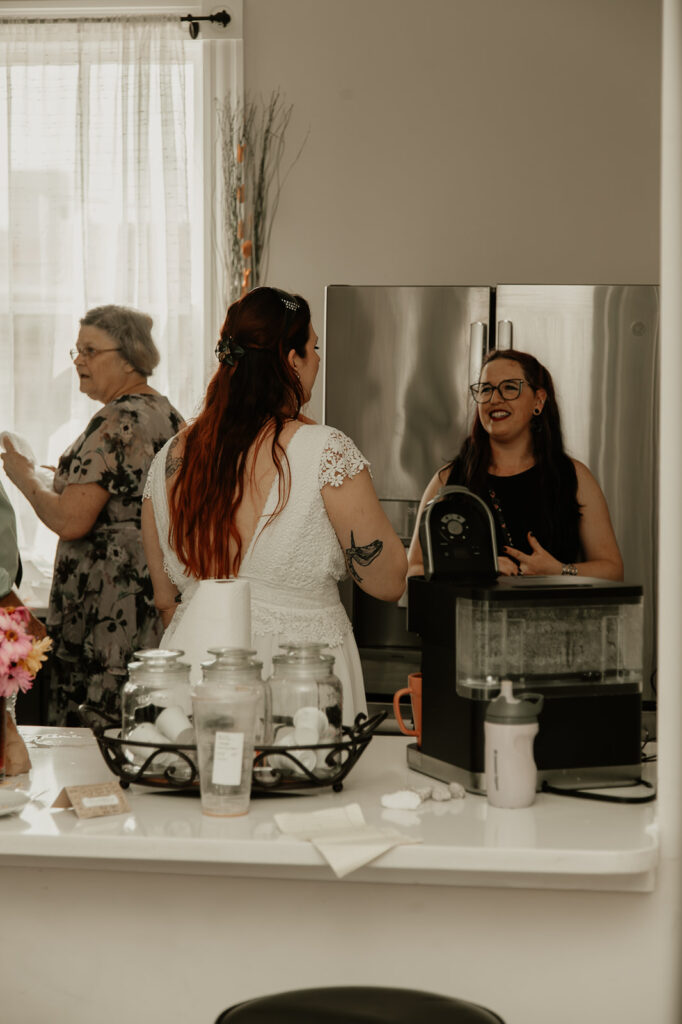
(299, 853)
(375, 873)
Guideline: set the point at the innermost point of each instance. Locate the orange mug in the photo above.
(414, 689)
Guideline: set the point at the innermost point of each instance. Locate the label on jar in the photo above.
(228, 753)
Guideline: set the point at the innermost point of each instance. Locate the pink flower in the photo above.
(21, 614)
(18, 678)
(15, 643)
(20, 654)
(5, 660)
(5, 620)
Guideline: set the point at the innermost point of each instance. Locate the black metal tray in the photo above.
(183, 776)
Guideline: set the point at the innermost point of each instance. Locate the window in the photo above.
(102, 200)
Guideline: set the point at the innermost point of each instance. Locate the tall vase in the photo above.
(3, 737)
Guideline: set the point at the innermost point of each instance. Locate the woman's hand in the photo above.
(507, 566)
(71, 514)
(538, 563)
(18, 468)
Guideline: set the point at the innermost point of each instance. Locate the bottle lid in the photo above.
(511, 710)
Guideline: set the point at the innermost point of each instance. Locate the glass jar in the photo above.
(307, 706)
(156, 704)
(237, 665)
(229, 705)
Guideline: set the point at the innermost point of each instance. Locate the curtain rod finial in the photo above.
(222, 18)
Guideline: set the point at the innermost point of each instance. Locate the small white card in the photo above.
(94, 800)
(228, 754)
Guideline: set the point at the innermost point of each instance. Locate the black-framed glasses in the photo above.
(508, 390)
(88, 352)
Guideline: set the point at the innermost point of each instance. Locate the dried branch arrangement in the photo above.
(252, 142)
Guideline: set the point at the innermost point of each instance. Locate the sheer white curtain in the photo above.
(96, 130)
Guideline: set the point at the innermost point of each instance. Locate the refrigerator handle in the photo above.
(505, 334)
(478, 342)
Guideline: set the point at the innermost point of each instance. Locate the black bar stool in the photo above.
(357, 1005)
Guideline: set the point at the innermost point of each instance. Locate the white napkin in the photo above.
(22, 446)
(342, 837)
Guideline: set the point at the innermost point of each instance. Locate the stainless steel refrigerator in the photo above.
(398, 364)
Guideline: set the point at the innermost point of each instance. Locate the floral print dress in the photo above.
(101, 604)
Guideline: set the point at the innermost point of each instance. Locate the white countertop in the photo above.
(558, 843)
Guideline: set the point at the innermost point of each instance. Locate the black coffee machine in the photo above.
(575, 640)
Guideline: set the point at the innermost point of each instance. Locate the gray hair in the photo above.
(131, 330)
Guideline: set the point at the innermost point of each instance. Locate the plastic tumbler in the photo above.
(225, 716)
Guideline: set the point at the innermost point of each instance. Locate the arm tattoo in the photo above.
(363, 554)
(172, 464)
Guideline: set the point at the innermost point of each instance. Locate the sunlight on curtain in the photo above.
(96, 130)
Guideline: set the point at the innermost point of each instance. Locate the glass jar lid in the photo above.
(158, 659)
(302, 652)
(302, 649)
(231, 659)
(230, 656)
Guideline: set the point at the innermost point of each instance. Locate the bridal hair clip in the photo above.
(287, 300)
(228, 351)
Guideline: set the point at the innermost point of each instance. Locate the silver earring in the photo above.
(297, 374)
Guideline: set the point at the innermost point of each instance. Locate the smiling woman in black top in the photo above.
(550, 514)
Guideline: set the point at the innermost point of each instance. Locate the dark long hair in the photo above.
(255, 385)
(559, 483)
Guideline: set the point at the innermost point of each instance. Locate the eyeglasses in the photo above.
(89, 352)
(508, 390)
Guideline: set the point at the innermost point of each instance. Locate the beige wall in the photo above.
(463, 141)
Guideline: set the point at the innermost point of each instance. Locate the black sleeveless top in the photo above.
(518, 507)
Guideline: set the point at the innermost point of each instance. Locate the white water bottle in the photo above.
(511, 725)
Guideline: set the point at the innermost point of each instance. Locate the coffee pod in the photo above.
(305, 736)
(147, 733)
(311, 718)
(173, 722)
(284, 738)
(307, 758)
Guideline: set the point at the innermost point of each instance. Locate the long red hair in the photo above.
(241, 399)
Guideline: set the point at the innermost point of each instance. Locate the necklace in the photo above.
(499, 515)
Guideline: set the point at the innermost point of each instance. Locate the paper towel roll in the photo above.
(217, 615)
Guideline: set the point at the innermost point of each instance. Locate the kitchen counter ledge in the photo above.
(558, 843)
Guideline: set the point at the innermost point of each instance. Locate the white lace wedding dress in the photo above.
(292, 564)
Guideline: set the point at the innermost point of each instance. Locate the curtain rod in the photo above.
(222, 18)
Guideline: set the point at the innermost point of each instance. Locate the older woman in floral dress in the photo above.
(101, 605)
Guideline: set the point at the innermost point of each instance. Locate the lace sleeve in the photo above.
(340, 459)
(147, 492)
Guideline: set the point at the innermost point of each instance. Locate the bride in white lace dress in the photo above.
(254, 489)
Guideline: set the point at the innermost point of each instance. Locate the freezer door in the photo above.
(601, 345)
(397, 371)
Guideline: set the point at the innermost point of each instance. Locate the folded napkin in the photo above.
(342, 837)
(22, 446)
